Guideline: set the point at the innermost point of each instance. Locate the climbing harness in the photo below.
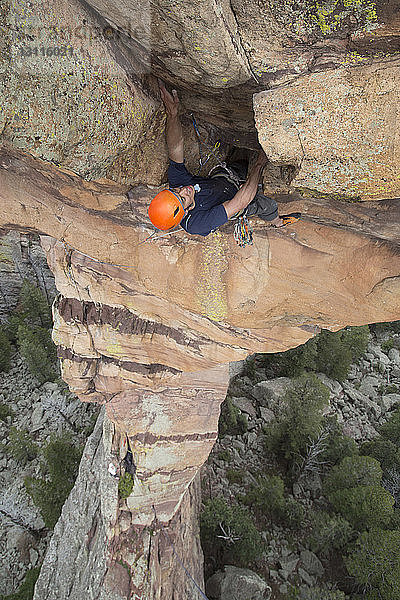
(243, 232)
(204, 160)
(222, 170)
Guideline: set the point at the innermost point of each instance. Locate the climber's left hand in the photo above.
(171, 101)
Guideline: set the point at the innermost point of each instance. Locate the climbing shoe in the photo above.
(288, 219)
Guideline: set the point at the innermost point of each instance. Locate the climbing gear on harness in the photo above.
(243, 232)
(288, 219)
(204, 160)
(166, 210)
(222, 170)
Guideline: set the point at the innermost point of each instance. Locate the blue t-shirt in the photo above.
(208, 213)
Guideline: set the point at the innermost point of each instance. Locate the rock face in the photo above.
(148, 327)
(97, 552)
(21, 257)
(336, 129)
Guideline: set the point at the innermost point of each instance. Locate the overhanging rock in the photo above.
(339, 128)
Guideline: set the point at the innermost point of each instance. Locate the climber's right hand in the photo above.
(171, 101)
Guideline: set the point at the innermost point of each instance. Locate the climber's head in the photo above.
(168, 208)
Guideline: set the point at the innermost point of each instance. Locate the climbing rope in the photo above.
(202, 160)
(164, 531)
(243, 232)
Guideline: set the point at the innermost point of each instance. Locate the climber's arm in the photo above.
(173, 129)
(245, 195)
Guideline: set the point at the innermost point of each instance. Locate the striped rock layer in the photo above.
(148, 327)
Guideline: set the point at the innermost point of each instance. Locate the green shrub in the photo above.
(10, 328)
(353, 471)
(27, 587)
(388, 389)
(293, 362)
(384, 451)
(125, 485)
(62, 461)
(315, 593)
(34, 306)
(336, 351)
(329, 534)
(36, 346)
(268, 495)
(234, 475)
(337, 445)
(387, 345)
(329, 352)
(249, 369)
(300, 419)
(21, 446)
(393, 326)
(394, 522)
(224, 455)
(292, 514)
(363, 506)
(5, 351)
(375, 564)
(391, 429)
(356, 339)
(5, 411)
(334, 357)
(231, 421)
(236, 521)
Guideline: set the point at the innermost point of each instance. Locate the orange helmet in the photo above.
(166, 210)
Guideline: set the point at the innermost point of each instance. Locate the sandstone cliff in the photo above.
(148, 327)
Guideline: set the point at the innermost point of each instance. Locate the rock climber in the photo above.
(202, 204)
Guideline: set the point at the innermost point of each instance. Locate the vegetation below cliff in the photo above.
(303, 485)
(42, 431)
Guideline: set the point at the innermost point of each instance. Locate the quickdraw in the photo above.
(204, 160)
(243, 232)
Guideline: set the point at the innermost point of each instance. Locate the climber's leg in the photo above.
(263, 207)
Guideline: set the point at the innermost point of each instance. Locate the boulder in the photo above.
(306, 577)
(333, 386)
(267, 414)
(377, 352)
(288, 565)
(356, 396)
(37, 417)
(307, 124)
(311, 563)
(245, 405)
(270, 391)
(390, 401)
(353, 429)
(396, 372)
(368, 390)
(237, 584)
(394, 356)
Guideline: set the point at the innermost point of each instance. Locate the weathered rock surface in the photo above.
(152, 339)
(97, 552)
(40, 411)
(235, 583)
(336, 129)
(21, 257)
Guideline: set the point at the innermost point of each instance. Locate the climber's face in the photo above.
(186, 194)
